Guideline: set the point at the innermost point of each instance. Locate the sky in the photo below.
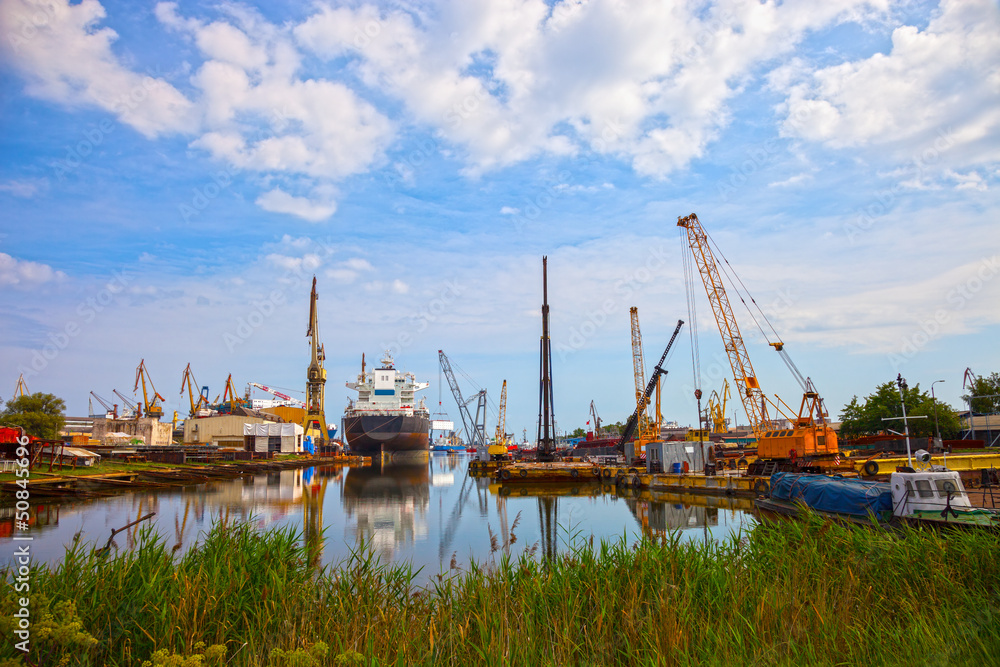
(174, 174)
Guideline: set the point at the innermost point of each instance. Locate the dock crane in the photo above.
(474, 430)
(22, 387)
(597, 421)
(499, 448)
(717, 408)
(278, 394)
(130, 410)
(811, 444)
(111, 411)
(643, 399)
(151, 405)
(230, 397)
(188, 381)
(314, 423)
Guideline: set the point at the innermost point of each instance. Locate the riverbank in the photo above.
(110, 477)
(807, 593)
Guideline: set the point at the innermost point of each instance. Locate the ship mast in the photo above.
(315, 418)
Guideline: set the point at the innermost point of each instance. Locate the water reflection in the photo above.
(387, 504)
(432, 514)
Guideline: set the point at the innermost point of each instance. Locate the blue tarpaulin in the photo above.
(832, 494)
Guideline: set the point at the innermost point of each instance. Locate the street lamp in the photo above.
(937, 429)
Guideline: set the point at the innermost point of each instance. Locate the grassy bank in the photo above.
(805, 593)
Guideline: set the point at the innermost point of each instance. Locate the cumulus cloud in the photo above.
(66, 57)
(936, 88)
(25, 274)
(508, 81)
(279, 201)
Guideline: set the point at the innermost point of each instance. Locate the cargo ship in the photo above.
(386, 419)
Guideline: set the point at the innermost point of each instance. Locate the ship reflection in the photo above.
(387, 505)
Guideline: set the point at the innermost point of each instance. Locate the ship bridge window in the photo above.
(946, 486)
(924, 488)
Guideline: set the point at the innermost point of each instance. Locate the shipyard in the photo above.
(499, 333)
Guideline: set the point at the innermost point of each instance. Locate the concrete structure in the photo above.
(224, 430)
(150, 430)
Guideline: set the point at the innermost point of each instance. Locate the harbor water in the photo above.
(433, 515)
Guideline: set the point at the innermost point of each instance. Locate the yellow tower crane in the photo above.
(498, 449)
(647, 428)
(314, 423)
(811, 444)
(151, 406)
(188, 381)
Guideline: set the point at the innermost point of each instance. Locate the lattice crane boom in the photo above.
(501, 434)
(747, 385)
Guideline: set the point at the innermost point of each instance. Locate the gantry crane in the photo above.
(314, 423)
(811, 444)
(188, 381)
(151, 405)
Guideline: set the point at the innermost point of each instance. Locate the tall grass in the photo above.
(806, 592)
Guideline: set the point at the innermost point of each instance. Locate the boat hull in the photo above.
(374, 435)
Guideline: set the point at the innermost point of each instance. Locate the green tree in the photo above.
(41, 415)
(989, 389)
(578, 433)
(864, 417)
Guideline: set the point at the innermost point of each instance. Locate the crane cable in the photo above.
(692, 311)
(740, 289)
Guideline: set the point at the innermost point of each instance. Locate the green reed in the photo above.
(809, 592)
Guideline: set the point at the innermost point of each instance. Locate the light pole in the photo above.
(937, 429)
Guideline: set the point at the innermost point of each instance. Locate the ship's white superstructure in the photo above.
(386, 391)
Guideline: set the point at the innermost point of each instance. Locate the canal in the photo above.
(433, 515)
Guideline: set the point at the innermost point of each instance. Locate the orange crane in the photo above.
(811, 444)
(229, 395)
(151, 406)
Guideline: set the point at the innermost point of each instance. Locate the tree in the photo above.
(989, 389)
(40, 415)
(859, 418)
(578, 433)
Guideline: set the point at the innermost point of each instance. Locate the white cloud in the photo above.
(399, 287)
(24, 274)
(648, 82)
(25, 188)
(67, 58)
(509, 210)
(279, 201)
(936, 89)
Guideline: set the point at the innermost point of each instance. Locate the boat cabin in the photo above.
(926, 490)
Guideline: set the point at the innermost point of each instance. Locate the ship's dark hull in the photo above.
(377, 434)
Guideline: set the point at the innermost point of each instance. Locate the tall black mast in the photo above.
(546, 441)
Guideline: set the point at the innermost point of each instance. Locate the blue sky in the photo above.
(173, 175)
